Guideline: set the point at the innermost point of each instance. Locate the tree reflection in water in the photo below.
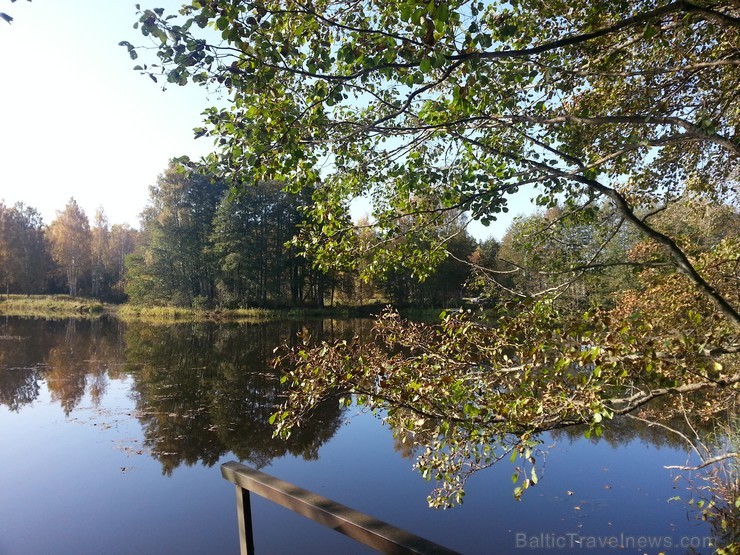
(73, 358)
(204, 390)
(200, 390)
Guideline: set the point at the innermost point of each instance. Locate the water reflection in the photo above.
(18, 386)
(200, 390)
(678, 422)
(73, 357)
(204, 390)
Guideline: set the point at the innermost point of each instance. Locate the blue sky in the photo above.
(77, 121)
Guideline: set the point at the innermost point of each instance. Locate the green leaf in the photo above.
(406, 11)
(442, 13)
(650, 31)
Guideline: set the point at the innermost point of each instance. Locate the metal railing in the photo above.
(365, 529)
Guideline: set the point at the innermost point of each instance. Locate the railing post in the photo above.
(244, 515)
(363, 528)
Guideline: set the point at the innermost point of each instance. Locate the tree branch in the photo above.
(707, 462)
(633, 402)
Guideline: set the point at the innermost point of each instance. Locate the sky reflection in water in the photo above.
(112, 436)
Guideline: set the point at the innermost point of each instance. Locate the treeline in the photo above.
(67, 256)
(205, 245)
(585, 255)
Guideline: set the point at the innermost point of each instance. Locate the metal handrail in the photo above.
(365, 529)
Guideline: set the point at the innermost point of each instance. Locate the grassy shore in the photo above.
(66, 306)
(165, 314)
(52, 306)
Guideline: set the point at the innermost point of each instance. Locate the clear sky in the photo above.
(77, 121)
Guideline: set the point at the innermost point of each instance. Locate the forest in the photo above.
(69, 255)
(202, 244)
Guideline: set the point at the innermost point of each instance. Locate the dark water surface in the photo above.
(111, 437)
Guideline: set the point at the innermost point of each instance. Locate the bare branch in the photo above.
(708, 462)
(626, 405)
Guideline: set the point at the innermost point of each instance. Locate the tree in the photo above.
(99, 252)
(491, 278)
(365, 287)
(205, 248)
(585, 256)
(578, 254)
(250, 232)
(70, 238)
(437, 108)
(699, 226)
(440, 286)
(109, 248)
(174, 265)
(24, 252)
(122, 241)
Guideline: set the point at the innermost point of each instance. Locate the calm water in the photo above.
(111, 436)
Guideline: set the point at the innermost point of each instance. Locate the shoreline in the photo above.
(66, 306)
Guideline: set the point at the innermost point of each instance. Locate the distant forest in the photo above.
(202, 244)
(199, 245)
(67, 256)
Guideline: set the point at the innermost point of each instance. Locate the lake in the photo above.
(112, 435)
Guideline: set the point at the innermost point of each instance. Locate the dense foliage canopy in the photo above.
(613, 111)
